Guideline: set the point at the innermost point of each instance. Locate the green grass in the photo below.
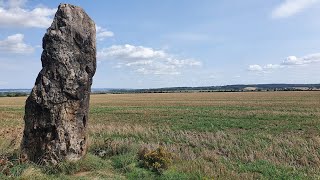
(212, 118)
(267, 135)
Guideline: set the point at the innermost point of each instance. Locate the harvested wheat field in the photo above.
(245, 135)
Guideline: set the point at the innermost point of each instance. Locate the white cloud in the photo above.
(289, 61)
(272, 66)
(131, 52)
(12, 14)
(255, 67)
(291, 7)
(15, 44)
(146, 60)
(103, 33)
(293, 60)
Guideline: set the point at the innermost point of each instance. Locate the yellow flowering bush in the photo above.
(156, 160)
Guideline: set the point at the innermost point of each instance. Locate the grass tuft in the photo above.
(88, 163)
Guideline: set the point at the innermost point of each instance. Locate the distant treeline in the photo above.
(227, 88)
(13, 94)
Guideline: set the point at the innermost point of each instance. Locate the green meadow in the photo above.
(245, 135)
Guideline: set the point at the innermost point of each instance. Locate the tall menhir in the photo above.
(56, 112)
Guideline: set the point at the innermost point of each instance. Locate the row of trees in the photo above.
(13, 94)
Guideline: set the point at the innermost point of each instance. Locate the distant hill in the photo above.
(226, 88)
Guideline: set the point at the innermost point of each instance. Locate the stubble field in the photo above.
(247, 135)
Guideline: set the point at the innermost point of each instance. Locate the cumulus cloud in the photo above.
(288, 61)
(293, 60)
(15, 44)
(12, 14)
(272, 66)
(103, 33)
(259, 68)
(146, 60)
(255, 67)
(291, 7)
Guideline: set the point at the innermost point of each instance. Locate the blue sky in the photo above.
(148, 44)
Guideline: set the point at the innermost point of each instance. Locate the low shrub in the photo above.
(156, 160)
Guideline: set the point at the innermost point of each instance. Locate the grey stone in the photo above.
(56, 112)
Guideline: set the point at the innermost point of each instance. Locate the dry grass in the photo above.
(222, 135)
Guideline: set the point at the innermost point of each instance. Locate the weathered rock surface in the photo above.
(56, 112)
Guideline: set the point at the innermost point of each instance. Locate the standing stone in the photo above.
(56, 112)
